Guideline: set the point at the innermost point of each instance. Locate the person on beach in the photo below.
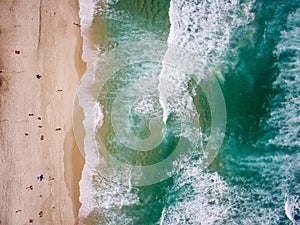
(29, 188)
(40, 178)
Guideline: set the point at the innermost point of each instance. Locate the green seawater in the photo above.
(257, 168)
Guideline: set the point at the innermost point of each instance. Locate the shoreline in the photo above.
(77, 156)
(40, 64)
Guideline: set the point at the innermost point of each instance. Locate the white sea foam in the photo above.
(204, 28)
(200, 197)
(284, 117)
(285, 114)
(87, 102)
(104, 200)
(91, 110)
(87, 9)
(282, 125)
(203, 201)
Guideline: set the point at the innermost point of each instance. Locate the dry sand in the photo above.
(49, 45)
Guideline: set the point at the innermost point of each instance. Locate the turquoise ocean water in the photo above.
(252, 48)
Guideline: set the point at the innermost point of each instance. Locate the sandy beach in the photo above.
(40, 67)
